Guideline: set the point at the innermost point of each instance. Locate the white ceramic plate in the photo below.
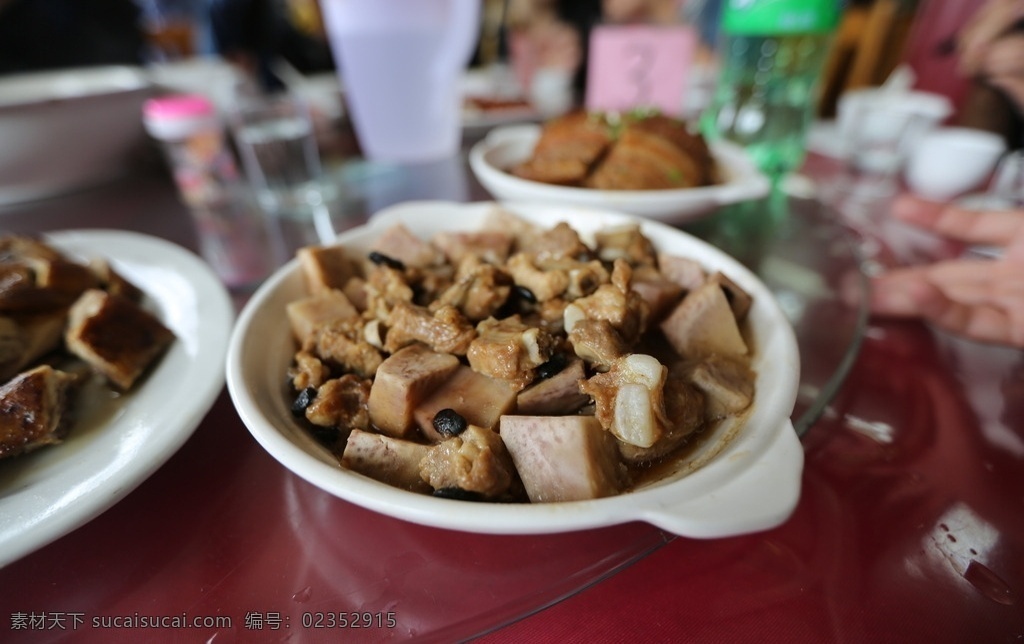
(747, 484)
(114, 447)
(507, 146)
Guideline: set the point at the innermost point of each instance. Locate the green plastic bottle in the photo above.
(771, 55)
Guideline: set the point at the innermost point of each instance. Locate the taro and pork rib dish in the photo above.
(515, 363)
(61, 322)
(633, 151)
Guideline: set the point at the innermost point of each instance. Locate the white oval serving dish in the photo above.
(746, 484)
(506, 147)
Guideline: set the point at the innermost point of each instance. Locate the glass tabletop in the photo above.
(811, 265)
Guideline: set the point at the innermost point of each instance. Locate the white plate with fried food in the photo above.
(734, 178)
(741, 475)
(117, 440)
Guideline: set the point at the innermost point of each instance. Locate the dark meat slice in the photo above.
(34, 410)
(117, 337)
(67, 278)
(19, 292)
(567, 149)
(12, 348)
(679, 134)
(644, 161)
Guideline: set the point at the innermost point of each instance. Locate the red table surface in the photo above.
(910, 528)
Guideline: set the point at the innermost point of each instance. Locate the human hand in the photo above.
(977, 298)
(991, 47)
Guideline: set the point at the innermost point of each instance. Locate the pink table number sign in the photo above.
(639, 67)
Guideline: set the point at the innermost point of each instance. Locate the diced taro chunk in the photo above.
(739, 300)
(399, 243)
(703, 324)
(480, 399)
(686, 272)
(326, 267)
(563, 458)
(386, 459)
(558, 395)
(660, 293)
(309, 312)
(727, 383)
(404, 380)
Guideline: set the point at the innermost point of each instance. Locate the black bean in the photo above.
(390, 262)
(552, 366)
(458, 494)
(449, 422)
(526, 294)
(303, 400)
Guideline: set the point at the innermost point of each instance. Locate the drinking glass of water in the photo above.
(275, 140)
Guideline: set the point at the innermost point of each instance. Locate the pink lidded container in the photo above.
(192, 135)
(232, 234)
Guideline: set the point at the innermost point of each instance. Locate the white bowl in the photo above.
(746, 484)
(929, 108)
(950, 161)
(67, 130)
(505, 147)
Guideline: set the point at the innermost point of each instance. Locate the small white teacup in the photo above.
(950, 161)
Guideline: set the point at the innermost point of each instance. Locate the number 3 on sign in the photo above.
(639, 67)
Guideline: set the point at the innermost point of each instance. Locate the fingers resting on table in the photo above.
(1003, 228)
(994, 20)
(981, 299)
(964, 297)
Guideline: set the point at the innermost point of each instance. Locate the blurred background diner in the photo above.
(532, 60)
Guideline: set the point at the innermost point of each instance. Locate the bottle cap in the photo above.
(178, 116)
(779, 17)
